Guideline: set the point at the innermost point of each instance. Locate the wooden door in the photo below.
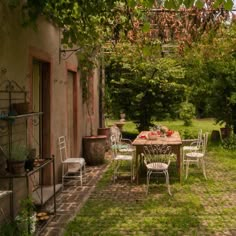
(71, 118)
(36, 106)
(41, 103)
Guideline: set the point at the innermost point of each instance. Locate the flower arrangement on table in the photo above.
(153, 135)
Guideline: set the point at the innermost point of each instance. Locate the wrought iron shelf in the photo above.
(21, 116)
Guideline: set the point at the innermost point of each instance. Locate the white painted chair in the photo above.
(194, 146)
(157, 159)
(72, 167)
(197, 156)
(124, 145)
(121, 157)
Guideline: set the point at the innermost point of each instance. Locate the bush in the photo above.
(230, 143)
(187, 113)
(187, 134)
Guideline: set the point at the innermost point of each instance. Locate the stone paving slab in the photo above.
(132, 196)
(70, 200)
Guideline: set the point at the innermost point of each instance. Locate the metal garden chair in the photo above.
(124, 145)
(197, 156)
(78, 163)
(157, 159)
(121, 157)
(194, 146)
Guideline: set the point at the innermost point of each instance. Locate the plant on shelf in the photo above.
(16, 158)
(29, 162)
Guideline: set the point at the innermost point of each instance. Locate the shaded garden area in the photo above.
(198, 207)
(171, 61)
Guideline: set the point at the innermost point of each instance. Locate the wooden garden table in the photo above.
(174, 141)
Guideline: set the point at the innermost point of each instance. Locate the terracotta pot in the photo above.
(225, 132)
(20, 108)
(16, 167)
(215, 136)
(107, 132)
(94, 149)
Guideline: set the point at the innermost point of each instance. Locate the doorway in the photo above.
(72, 115)
(41, 103)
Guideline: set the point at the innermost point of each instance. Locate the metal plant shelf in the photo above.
(22, 116)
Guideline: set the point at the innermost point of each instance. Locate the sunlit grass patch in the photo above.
(197, 206)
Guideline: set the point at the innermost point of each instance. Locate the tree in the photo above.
(96, 21)
(143, 83)
(214, 79)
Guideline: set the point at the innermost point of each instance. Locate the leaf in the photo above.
(140, 95)
(228, 5)
(146, 27)
(149, 3)
(217, 3)
(131, 3)
(146, 51)
(169, 4)
(188, 3)
(199, 4)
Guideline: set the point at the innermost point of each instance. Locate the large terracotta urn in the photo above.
(107, 132)
(94, 149)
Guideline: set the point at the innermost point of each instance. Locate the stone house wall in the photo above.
(20, 47)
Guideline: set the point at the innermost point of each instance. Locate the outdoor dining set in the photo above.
(151, 153)
(154, 151)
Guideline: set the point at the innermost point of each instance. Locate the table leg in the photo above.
(176, 149)
(139, 150)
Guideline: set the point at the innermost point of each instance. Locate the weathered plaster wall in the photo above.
(18, 47)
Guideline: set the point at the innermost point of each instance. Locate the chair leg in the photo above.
(115, 174)
(81, 176)
(183, 161)
(168, 182)
(132, 171)
(187, 168)
(204, 168)
(84, 173)
(62, 178)
(148, 180)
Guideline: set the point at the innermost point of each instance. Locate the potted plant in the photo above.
(29, 162)
(16, 159)
(94, 145)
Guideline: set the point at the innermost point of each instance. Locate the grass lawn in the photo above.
(197, 207)
(207, 125)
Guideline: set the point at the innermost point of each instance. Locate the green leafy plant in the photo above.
(9, 229)
(187, 113)
(151, 85)
(18, 153)
(24, 223)
(229, 143)
(188, 134)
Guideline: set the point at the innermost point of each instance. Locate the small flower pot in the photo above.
(16, 167)
(20, 108)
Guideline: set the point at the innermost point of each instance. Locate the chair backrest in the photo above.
(157, 153)
(204, 142)
(199, 138)
(115, 131)
(62, 148)
(114, 146)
